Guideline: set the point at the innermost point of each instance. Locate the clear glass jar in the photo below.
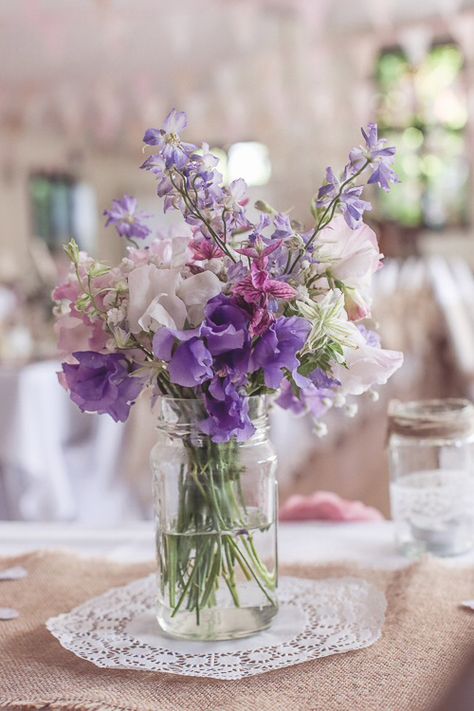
(216, 514)
(431, 449)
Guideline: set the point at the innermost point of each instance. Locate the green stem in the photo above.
(330, 210)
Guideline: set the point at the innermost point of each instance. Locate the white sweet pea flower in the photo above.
(162, 297)
(195, 291)
(352, 257)
(366, 365)
(153, 301)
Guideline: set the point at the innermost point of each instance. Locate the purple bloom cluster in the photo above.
(220, 354)
(128, 221)
(102, 383)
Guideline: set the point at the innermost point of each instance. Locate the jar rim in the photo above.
(435, 418)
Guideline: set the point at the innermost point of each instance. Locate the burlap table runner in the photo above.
(426, 639)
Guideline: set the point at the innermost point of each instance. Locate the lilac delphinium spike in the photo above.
(128, 221)
(350, 202)
(379, 155)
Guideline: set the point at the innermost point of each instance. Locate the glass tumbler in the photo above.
(431, 452)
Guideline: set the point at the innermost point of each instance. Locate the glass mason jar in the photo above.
(431, 450)
(216, 517)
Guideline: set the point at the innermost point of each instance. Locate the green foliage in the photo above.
(322, 357)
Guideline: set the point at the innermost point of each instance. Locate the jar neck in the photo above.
(448, 419)
(182, 417)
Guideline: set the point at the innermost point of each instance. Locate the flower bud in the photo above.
(351, 410)
(320, 429)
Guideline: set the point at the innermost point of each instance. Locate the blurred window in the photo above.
(423, 111)
(249, 160)
(61, 208)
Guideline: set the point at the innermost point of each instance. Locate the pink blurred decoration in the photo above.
(327, 506)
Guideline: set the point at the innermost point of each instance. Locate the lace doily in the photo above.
(317, 618)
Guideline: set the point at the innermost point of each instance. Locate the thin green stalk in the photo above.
(330, 209)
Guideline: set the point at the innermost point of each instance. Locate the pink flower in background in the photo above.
(79, 334)
(327, 506)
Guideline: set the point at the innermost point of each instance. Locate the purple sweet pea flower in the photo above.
(102, 383)
(228, 412)
(191, 364)
(277, 348)
(174, 151)
(226, 331)
(127, 219)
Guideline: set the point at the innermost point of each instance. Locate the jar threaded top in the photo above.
(449, 418)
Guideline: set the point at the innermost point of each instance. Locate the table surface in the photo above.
(370, 544)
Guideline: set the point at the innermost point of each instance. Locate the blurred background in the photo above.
(279, 88)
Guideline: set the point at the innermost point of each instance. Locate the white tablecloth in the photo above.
(370, 544)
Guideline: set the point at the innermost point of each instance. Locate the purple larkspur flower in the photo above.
(283, 228)
(378, 154)
(127, 219)
(228, 412)
(277, 348)
(102, 383)
(351, 205)
(174, 151)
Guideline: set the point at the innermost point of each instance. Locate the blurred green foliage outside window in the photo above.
(423, 111)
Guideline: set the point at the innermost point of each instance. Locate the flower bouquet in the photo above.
(217, 318)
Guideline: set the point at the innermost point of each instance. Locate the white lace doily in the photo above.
(317, 618)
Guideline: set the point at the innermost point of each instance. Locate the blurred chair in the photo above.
(57, 463)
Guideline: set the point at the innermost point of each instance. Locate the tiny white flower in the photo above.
(302, 293)
(115, 316)
(320, 429)
(339, 400)
(351, 410)
(121, 337)
(374, 395)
